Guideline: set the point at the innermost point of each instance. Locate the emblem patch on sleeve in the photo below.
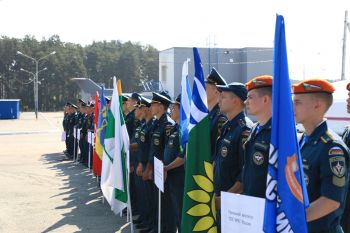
(338, 168)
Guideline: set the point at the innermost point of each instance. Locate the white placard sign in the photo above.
(90, 138)
(78, 134)
(241, 213)
(159, 174)
(63, 136)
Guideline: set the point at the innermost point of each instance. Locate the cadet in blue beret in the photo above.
(174, 165)
(324, 155)
(256, 148)
(216, 118)
(228, 160)
(345, 221)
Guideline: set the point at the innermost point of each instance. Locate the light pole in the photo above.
(35, 77)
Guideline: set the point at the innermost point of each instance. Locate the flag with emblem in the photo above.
(185, 103)
(116, 153)
(101, 126)
(198, 204)
(286, 195)
(97, 162)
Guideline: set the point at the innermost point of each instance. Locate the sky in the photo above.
(314, 29)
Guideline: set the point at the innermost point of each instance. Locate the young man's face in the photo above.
(211, 91)
(155, 108)
(175, 112)
(138, 113)
(303, 107)
(254, 103)
(226, 101)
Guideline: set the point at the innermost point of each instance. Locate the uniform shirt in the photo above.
(83, 124)
(72, 121)
(346, 139)
(216, 121)
(134, 139)
(130, 122)
(256, 155)
(325, 163)
(172, 149)
(65, 122)
(144, 141)
(159, 138)
(228, 160)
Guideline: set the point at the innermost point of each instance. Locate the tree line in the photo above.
(99, 61)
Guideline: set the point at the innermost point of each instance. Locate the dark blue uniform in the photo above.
(216, 121)
(148, 200)
(345, 222)
(161, 132)
(83, 126)
(256, 155)
(131, 124)
(228, 161)
(325, 162)
(72, 121)
(174, 184)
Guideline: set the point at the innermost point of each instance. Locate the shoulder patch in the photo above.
(338, 167)
(335, 150)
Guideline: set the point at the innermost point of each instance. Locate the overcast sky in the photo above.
(314, 29)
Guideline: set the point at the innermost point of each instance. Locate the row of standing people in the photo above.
(239, 148)
(79, 119)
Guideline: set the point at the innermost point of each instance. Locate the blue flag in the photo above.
(185, 103)
(286, 195)
(101, 126)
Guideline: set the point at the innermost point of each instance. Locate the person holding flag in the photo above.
(216, 118)
(256, 148)
(325, 156)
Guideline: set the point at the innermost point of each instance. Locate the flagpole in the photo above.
(89, 159)
(129, 202)
(74, 135)
(159, 210)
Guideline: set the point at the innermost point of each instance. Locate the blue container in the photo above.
(9, 108)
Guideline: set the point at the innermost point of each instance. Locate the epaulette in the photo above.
(327, 137)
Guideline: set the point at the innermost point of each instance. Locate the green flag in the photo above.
(199, 213)
(116, 150)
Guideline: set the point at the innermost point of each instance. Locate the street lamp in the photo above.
(36, 87)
